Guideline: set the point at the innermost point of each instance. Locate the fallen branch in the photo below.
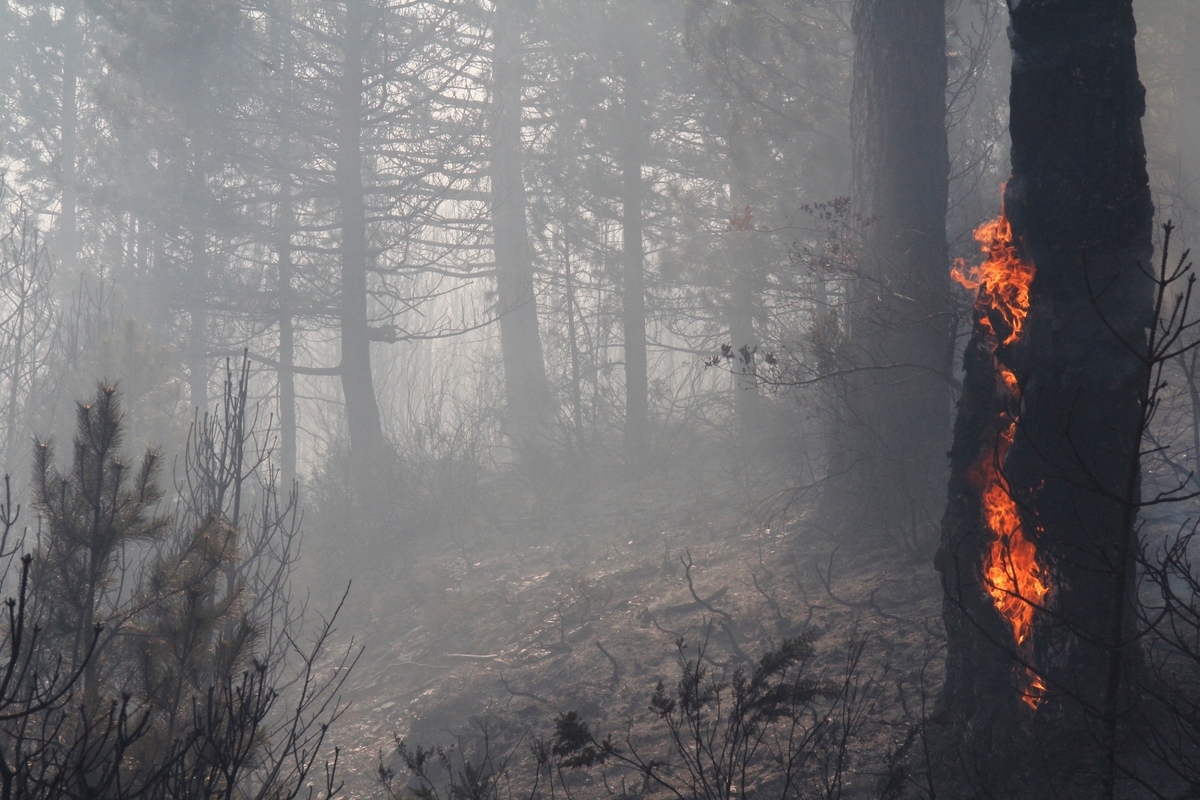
(487, 657)
(705, 603)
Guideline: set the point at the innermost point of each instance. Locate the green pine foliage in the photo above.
(140, 663)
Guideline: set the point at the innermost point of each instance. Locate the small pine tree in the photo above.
(90, 513)
(176, 670)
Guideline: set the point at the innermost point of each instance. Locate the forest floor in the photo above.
(577, 605)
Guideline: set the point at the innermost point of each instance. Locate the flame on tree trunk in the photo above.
(1015, 581)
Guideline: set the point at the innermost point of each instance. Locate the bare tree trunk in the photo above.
(743, 338)
(358, 387)
(197, 357)
(1081, 214)
(16, 345)
(744, 284)
(633, 306)
(526, 389)
(566, 160)
(285, 224)
(68, 221)
(896, 428)
(1186, 198)
(573, 343)
(287, 342)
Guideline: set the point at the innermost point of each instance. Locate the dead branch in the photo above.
(616, 665)
(518, 693)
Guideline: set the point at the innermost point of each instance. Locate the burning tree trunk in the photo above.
(899, 328)
(1037, 541)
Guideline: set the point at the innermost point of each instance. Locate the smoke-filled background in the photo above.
(593, 345)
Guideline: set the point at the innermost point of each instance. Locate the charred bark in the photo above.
(1081, 213)
(896, 425)
(526, 389)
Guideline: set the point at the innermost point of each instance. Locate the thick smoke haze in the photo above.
(489, 399)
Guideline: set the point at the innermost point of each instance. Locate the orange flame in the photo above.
(1001, 282)
(1015, 580)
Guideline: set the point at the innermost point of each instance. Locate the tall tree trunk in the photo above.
(285, 225)
(573, 344)
(68, 224)
(197, 356)
(743, 338)
(896, 429)
(744, 281)
(565, 135)
(526, 389)
(633, 303)
(1186, 199)
(358, 387)
(1081, 214)
(287, 342)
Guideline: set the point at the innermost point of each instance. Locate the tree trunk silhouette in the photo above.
(745, 279)
(1081, 213)
(69, 156)
(633, 301)
(896, 428)
(285, 227)
(196, 301)
(287, 339)
(358, 387)
(526, 389)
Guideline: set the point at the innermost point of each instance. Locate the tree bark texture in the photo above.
(526, 389)
(896, 426)
(633, 301)
(1081, 213)
(358, 387)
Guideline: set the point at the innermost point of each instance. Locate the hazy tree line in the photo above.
(595, 198)
(339, 187)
